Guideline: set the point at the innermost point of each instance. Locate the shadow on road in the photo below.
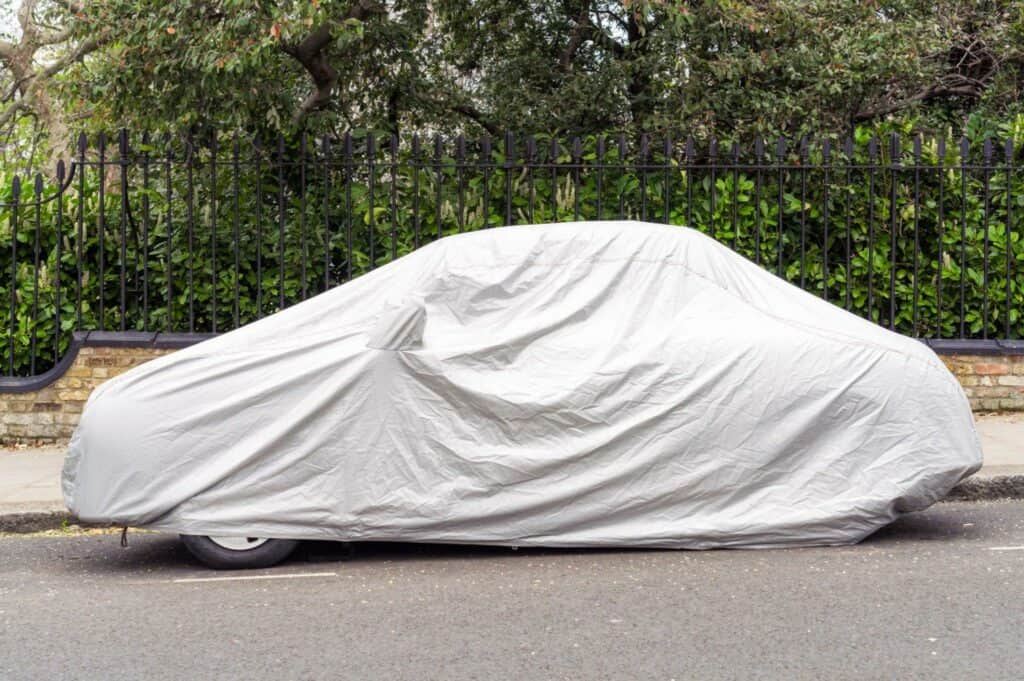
(150, 552)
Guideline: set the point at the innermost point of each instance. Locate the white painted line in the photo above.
(1006, 548)
(241, 578)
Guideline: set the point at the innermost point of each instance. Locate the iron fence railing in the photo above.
(200, 235)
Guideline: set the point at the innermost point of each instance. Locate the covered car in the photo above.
(572, 385)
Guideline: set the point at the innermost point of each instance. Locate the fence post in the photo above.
(941, 150)
(965, 148)
(213, 231)
(1008, 238)
(894, 150)
(826, 160)
(758, 162)
(82, 142)
(486, 156)
(780, 155)
(510, 153)
(872, 167)
(804, 159)
(917, 227)
(102, 228)
(15, 197)
(61, 172)
(122, 162)
(666, 187)
(37, 201)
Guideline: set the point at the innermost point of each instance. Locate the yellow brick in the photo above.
(25, 419)
(100, 372)
(47, 394)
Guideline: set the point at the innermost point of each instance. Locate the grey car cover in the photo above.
(584, 384)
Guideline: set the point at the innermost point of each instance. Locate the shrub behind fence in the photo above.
(187, 235)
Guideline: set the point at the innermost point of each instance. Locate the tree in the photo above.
(246, 65)
(44, 45)
(732, 69)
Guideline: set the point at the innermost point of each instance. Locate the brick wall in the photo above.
(992, 382)
(51, 413)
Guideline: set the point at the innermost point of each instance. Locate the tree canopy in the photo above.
(731, 69)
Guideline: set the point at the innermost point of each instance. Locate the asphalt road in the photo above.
(938, 595)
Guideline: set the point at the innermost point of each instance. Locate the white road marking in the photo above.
(240, 578)
(1006, 548)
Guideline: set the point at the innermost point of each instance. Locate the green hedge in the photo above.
(826, 212)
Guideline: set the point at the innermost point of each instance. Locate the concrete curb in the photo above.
(973, 489)
(25, 522)
(988, 488)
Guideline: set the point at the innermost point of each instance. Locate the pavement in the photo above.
(30, 495)
(936, 595)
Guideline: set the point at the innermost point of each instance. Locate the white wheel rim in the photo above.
(239, 543)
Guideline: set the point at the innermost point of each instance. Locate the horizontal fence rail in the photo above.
(202, 235)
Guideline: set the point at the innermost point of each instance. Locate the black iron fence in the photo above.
(201, 235)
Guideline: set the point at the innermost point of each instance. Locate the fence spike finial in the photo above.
(37, 185)
(61, 170)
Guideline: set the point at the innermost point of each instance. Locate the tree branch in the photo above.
(579, 33)
(475, 115)
(965, 88)
(310, 52)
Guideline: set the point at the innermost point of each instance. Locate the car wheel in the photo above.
(238, 553)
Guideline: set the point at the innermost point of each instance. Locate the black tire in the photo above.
(213, 555)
